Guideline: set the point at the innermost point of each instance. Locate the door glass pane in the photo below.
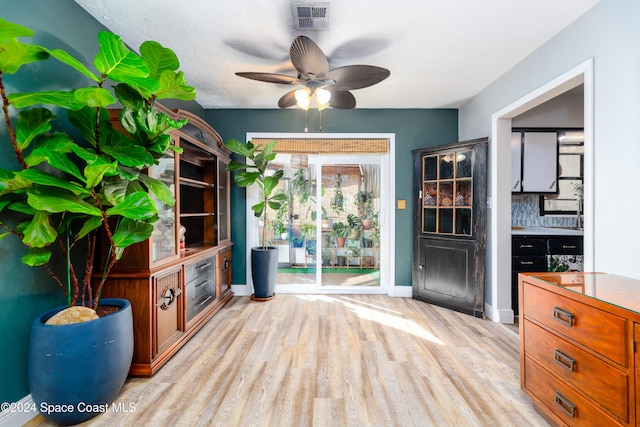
(350, 245)
(164, 230)
(463, 164)
(445, 221)
(463, 221)
(430, 168)
(446, 165)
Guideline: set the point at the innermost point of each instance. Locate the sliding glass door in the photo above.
(328, 232)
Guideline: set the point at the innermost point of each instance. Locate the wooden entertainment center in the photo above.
(178, 279)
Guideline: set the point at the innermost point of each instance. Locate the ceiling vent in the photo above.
(310, 16)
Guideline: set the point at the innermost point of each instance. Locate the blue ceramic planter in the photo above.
(76, 371)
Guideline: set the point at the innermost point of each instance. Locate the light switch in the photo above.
(402, 204)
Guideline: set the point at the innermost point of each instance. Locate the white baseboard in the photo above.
(499, 316)
(19, 413)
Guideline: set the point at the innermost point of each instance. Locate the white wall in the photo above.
(610, 34)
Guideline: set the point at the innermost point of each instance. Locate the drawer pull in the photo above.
(563, 316)
(526, 262)
(568, 246)
(206, 282)
(526, 245)
(203, 266)
(203, 302)
(226, 263)
(567, 406)
(564, 360)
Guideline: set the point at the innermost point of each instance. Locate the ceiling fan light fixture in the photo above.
(303, 98)
(323, 96)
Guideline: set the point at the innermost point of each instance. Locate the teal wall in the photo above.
(413, 128)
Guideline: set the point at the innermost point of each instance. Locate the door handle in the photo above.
(516, 185)
(552, 184)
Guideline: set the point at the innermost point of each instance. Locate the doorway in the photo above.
(498, 303)
(310, 259)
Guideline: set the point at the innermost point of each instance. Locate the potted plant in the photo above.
(264, 258)
(71, 186)
(340, 232)
(355, 227)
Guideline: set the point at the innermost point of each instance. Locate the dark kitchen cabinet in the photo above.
(533, 253)
(450, 225)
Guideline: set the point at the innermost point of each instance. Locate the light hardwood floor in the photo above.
(321, 360)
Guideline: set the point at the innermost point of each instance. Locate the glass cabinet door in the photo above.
(164, 240)
(223, 202)
(447, 193)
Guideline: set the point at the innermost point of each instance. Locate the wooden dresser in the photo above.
(578, 333)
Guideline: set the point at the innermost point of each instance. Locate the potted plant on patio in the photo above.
(264, 258)
(71, 184)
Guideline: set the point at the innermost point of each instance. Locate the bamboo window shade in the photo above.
(326, 146)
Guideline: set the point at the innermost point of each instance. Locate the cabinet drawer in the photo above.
(562, 400)
(201, 286)
(528, 246)
(200, 269)
(529, 263)
(594, 377)
(587, 325)
(565, 246)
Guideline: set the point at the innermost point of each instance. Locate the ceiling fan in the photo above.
(329, 87)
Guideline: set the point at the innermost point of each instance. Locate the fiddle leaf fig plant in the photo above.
(255, 172)
(73, 183)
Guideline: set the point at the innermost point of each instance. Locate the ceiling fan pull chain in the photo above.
(306, 120)
(320, 112)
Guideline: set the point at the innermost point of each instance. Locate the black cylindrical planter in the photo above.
(264, 267)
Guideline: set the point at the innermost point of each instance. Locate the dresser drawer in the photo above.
(602, 332)
(593, 376)
(562, 400)
(571, 245)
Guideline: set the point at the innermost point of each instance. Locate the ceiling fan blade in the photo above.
(287, 100)
(357, 76)
(342, 99)
(308, 58)
(271, 78)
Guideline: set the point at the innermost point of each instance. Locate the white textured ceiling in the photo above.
(440, 52)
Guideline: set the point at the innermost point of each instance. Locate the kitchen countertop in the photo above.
(546, 231)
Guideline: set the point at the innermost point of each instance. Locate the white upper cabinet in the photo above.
(540, 162)
(516, 162)
(534, 162)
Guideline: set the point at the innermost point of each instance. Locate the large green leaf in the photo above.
(9, 30)
(258, 208)
(174, 85)
(116, 61)
(40, 177)
(159, 189)
(158, 58)
(94, 97)
(129, 98)
(234, 166)
(39, 233)
(88, 226)
(270, 182)
(138, 206)
(36, 256)
(32, 123)
(128, 154)
(57, 97)
(57, 200)
(14, 55)
(245, 179)
(58, 160)
(129, 232)
(95, 171)
(245, 150)
(65, 58)
(85, 121)
(11, 181)
(160, 144)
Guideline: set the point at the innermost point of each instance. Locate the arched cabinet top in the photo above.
(196, 129)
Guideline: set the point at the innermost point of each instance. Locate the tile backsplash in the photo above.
(525, 211)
